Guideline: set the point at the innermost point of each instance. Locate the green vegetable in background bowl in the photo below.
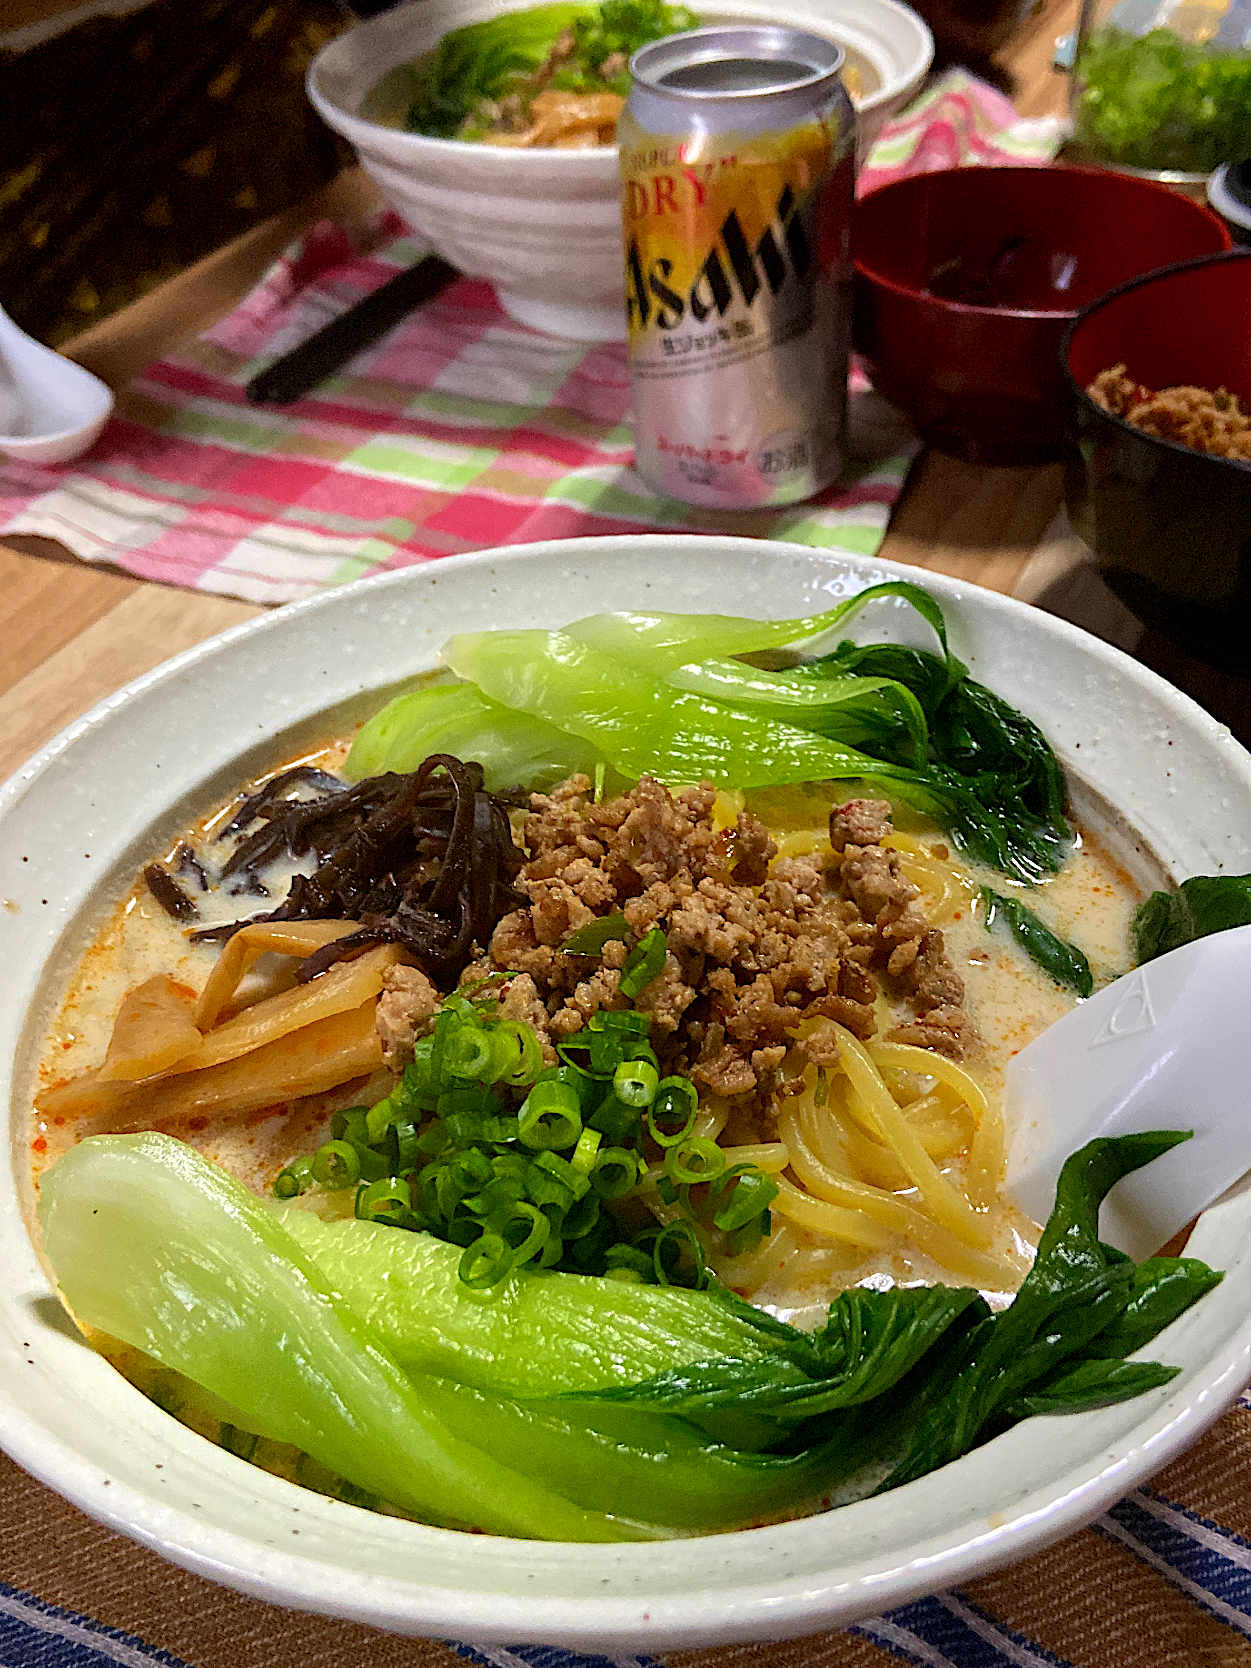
(459, 90)
(1159, 102)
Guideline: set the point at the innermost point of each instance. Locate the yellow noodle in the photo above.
(984, 1172)
(943, 1137)
(874, 1162)
(930, 1237)
(877, 1106)
(748, 1271)
(941, 1119)
(802, 842)
(924, 1062)
(769, 1156)
(825, 1218)
(816, 1168)
(710, 1120)
(943, 887)
(726, 807)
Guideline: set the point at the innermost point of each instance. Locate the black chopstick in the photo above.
(335, 343)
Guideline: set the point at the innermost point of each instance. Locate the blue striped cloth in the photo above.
(1158, 1581)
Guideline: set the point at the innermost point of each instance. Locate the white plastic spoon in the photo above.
(51, 409)
(1167, 1046)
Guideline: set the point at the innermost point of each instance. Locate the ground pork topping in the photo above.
(1204, 419)
(905, 946)
(756, 946)
(406, 1011)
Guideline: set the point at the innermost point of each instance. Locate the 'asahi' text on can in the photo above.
(737, 153)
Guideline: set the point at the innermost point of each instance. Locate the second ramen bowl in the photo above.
(544, 225)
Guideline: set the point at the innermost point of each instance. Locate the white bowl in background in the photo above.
(544, 225)
(95, 803)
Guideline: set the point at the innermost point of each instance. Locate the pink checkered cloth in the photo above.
(460, 430)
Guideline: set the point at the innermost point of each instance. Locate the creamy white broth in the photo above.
(795, 1274)
(1008, 999)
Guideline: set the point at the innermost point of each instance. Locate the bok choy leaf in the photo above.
(1063, 961)
(540, 1334)
(1077, 1288)
(512, 747)
(156, 1246)
(1201, 905)
(160, 1248)
(641, 723)
(875, 714)
(660, 643)
(562, 1408)
(664, 694)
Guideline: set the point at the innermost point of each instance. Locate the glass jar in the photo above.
(1162, 87)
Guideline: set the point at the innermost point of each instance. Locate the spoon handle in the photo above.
(290, 377)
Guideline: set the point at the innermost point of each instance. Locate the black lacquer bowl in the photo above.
(1170, 527)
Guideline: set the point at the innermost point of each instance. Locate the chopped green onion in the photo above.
(581, 1218)
(487, 1261)
(351, 1125)
(591, 939)
(533, 1228)
(469, 1054)
(749, 1236)
(550, 1117)
(645, 962)
(479, 1126)
(635, 1082)
(546, 1190)
(676, 1101)
(696, 1159)
(336, 1166)
(584, 1154)
(615, 1172)
(619, 1019)
(628, 1262)
(620, 1123)
(607, 1052)
(384, 1201)
(530, 1054)
(295, 1179)
(561, 1168)
(753, 1193)
(667, 1249)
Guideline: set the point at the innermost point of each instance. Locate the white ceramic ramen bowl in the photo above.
(77, 821)
(544, 226)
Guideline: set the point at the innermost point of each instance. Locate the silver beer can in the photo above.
(737, 150)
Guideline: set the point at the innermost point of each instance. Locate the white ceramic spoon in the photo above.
(1167, 1046)
(51, 409)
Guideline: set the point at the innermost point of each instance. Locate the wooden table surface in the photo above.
(72, 633)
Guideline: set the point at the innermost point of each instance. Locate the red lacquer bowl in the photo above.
(967, 279)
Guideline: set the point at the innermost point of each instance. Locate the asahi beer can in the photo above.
(737, 151)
